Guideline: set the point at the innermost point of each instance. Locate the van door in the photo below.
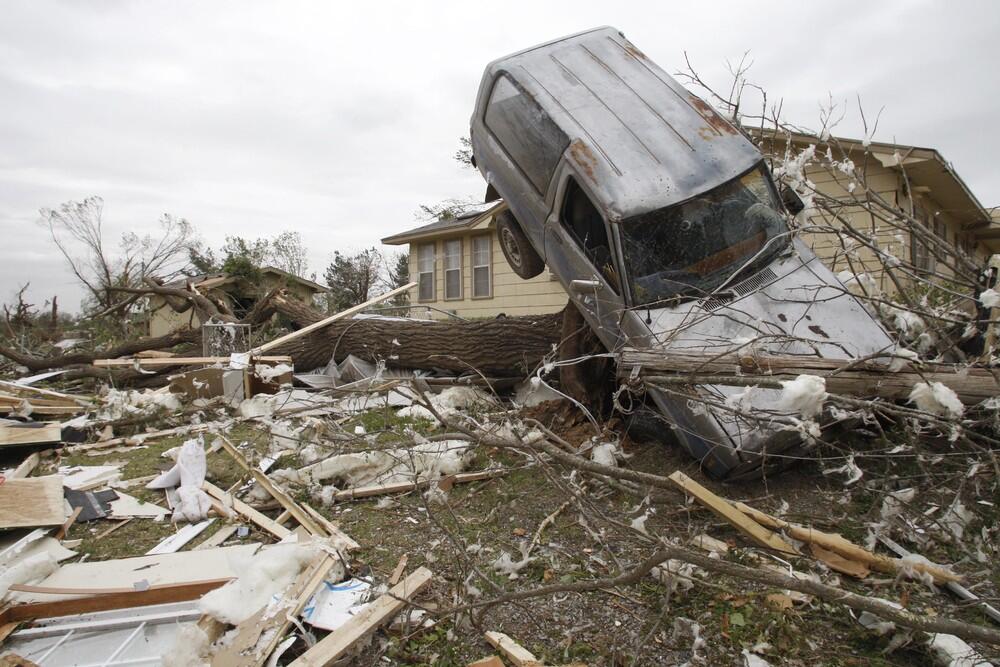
(580, 252)
(528, 145)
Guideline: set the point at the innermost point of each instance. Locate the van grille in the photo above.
(754, 282)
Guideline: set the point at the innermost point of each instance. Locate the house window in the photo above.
(921, 255)
(531, 138)
(425, 271)
(453, 269)
(482, 279)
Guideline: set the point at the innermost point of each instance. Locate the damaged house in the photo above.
(167, 315)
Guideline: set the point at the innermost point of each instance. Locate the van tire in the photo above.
(521, 256)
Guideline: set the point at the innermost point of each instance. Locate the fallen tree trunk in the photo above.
(847, 377)
(497, 346)
(174, 338)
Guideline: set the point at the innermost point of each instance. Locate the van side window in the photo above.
(530, 137)
(586, 224)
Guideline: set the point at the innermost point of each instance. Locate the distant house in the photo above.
(460, 269)
(168, 315)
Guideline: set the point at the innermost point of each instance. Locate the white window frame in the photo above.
(422, 271)
(449, 267)
(488, 265)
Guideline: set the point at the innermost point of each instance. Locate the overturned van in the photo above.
(663, 224)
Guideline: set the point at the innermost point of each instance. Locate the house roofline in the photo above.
(858, 144)
(421, 233)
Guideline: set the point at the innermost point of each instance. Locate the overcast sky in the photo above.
(337, 120)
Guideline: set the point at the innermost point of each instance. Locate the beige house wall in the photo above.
(164, 320)
(511, 295)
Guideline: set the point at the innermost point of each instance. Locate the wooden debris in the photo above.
(758, 534)
(102, 535)
(838, 563)
(63, 529)
(303, 517)
(402, 487)
(237, 652)
(32, 502)
(398, 571)
(218, 537)
(329, 320)
(336, 644)
(181, 361)
(332, 528)
(181, 592)
(517, 654)
(30, 434)
(229, 500)
(843, 547)
(26, 467)
(492, 661)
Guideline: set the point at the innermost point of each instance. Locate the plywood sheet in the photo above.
(32, 502)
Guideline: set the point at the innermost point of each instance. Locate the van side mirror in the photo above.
(790, 198)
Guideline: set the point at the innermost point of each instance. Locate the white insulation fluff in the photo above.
(805, 395)
(428, 460)
(191, 647)
(990, 298)
(605, 454)
(124, 403)
(938, 399)
(449, 403)
(266, 573)
(189, 476)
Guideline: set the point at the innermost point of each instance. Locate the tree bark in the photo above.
(585, 381)
(504, 346)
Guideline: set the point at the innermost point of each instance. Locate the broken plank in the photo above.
(491, 661)
(329, 320)
(177, 541)
(42, 434)
(72, 590)
(218, 537)
(32, 502)
(336, 644)
(26, 467)
(332, 528)
(844, 547)
(61, 533)
(720, 507)
(27, 389)
(402, 487)
(181, 592)
(229, 500)
(513, 651)
(398, 571)
(283, 498)
(182, 361)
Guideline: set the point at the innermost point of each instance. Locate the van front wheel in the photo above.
(521, 256)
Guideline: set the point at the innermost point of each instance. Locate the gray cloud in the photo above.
(337, 121)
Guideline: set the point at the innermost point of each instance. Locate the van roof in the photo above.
(639, 138)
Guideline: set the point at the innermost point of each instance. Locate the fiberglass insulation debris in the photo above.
(421, 462)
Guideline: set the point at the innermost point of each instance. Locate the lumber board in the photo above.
(402, 487)
(843, 376)
(70, 607)
(13, 386)
(300, 515)
(71, 590)
(26, 467)
(329, 320)
(159, 362)
(336, 644)
(332, 528)
(241, 507)
(720, 507)
(511, 650)
(842, 546)
(32, 502)
(218, 537)
(46, 434)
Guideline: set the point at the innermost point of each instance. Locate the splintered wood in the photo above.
(32, 502)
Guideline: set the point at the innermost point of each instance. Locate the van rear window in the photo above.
(530, 137)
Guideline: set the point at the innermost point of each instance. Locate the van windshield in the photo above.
(690, 249)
